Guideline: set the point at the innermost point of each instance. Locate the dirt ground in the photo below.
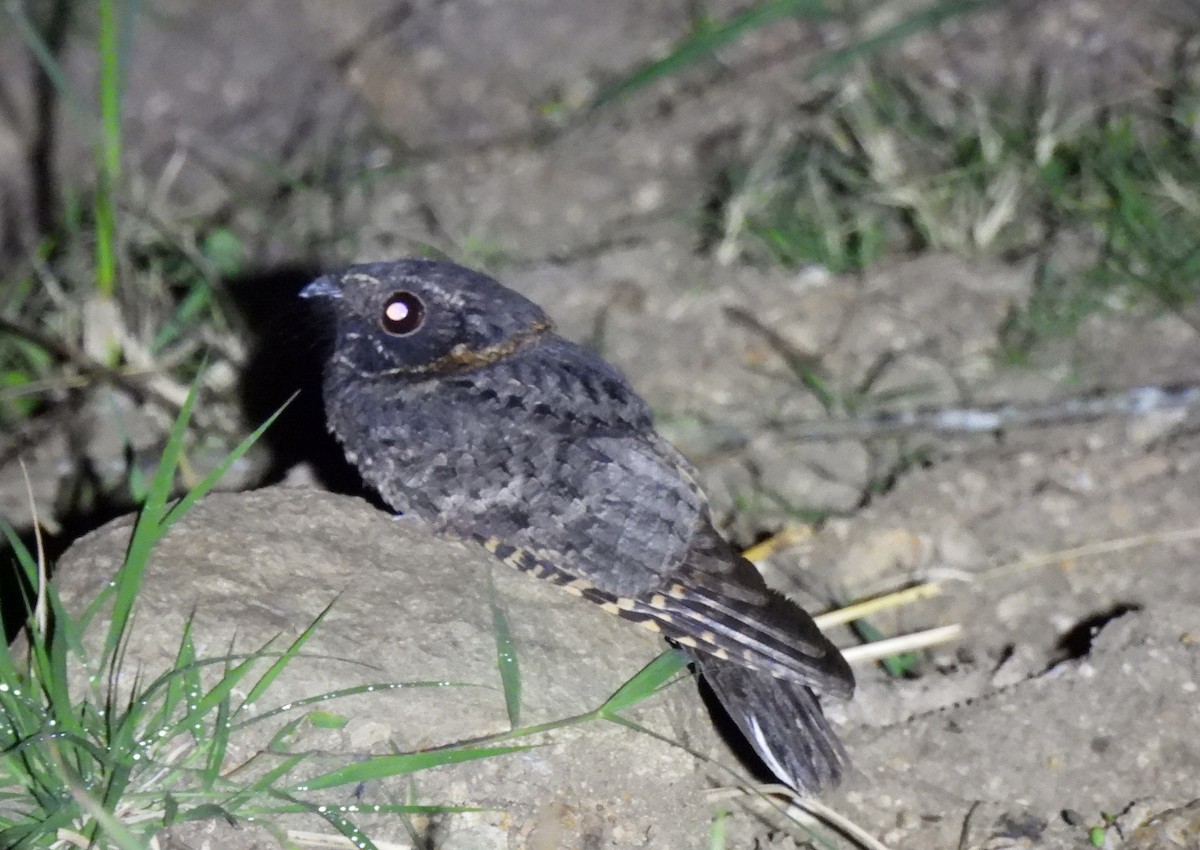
(1070, 554)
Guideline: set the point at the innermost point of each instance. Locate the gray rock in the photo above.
(413, 607)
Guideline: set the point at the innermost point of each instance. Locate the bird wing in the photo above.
(606, 509)
(619, 520)
(718, 603)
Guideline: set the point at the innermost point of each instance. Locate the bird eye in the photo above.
(403, 313)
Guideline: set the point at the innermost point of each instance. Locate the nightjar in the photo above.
(459, 404)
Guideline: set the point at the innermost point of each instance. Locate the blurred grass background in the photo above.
(877, 165)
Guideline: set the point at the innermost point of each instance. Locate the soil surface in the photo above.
(1069, 554)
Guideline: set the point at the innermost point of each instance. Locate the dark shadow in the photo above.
(76, 516)
(13, 593)
(290, 342)
(1077, 642)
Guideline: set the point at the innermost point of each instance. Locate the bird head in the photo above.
(420, 318)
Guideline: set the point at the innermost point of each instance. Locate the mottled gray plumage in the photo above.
(459, 405)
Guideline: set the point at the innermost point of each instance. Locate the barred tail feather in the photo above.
(772, 635)
(781, 720)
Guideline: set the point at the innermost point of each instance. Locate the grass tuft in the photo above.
(507, 662)
(892, 165)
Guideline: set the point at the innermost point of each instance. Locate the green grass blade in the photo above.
(705, 42)
(327, 719)
(896, 665)
(372, 687)
(9, 674)
(929, 18)
(186, 316)
(217, 745)
(41, 743)
(154, 518)
(261, 785)
(57, 689)
(346, 827)
(47, 652)
(115, 832)
(506, 658)
(163, 482)
(178, 686)
(209, 481)
(376, 808)
(645, 683)
(717, 830)
(284, 734)
(815, 384)
(148, 529)
(382, 767)
(25, 835)
(285, 658)
(214, 696)
(108, 150)
(204, 811)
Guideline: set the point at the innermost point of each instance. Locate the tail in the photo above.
(782, 720)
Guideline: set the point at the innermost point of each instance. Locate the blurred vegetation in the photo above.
(876, 164)
(890, 167)
(105, 293)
